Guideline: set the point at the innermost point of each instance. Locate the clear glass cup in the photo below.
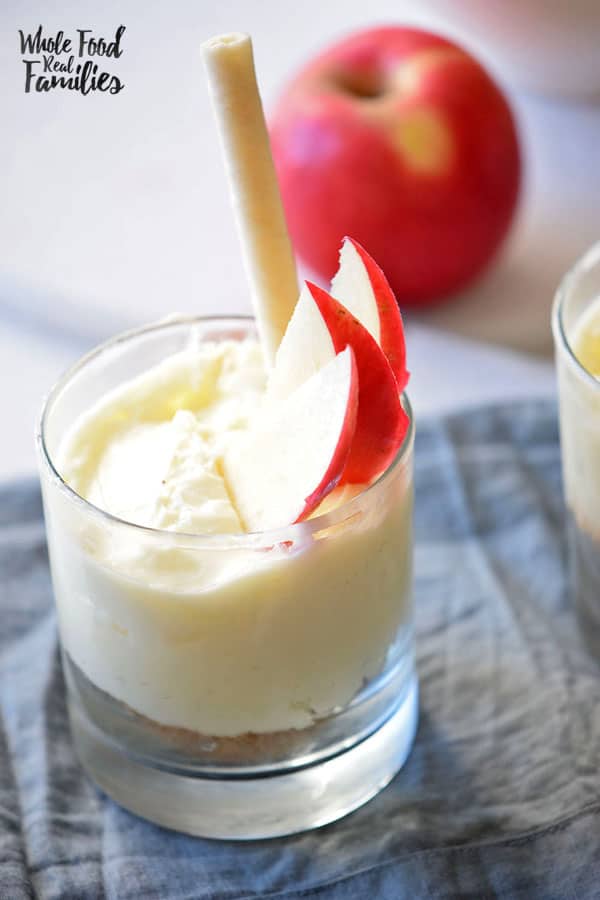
(269, 685)
(579, 414)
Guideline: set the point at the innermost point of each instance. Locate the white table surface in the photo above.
(114, 210)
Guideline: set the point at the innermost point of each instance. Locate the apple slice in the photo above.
(363, 289)
(319, 328)
(297, 450)
(381, 422)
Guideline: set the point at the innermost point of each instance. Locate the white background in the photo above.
(114, 209)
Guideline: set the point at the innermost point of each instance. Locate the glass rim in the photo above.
(228, 541)
(567, 284)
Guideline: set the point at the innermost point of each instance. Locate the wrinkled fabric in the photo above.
(501, 794)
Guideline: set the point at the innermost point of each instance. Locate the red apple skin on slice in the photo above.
(390, 334)
(381, 422)
(296, 452)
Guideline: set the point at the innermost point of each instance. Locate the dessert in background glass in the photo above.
(576, 328)
(229, 684)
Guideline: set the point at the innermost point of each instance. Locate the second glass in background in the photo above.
(579, 412)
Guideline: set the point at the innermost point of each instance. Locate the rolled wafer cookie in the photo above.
(255, 195)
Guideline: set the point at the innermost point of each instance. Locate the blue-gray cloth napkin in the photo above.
(501, 795)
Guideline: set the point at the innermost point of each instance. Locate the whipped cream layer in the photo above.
(222, 635)
(580, 420)
(150, 451)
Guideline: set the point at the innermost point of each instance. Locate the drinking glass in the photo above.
(230, 685)
(579, 412)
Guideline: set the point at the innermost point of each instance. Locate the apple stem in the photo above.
(260, 219)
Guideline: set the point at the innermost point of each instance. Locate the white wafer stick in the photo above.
(260, 219)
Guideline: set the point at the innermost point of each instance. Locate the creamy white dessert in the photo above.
(184, 620)
(580, 419)
(150, 451)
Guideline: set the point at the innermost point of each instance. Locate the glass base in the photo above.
(246, 808)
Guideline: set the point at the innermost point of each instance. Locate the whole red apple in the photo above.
(401, 139)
